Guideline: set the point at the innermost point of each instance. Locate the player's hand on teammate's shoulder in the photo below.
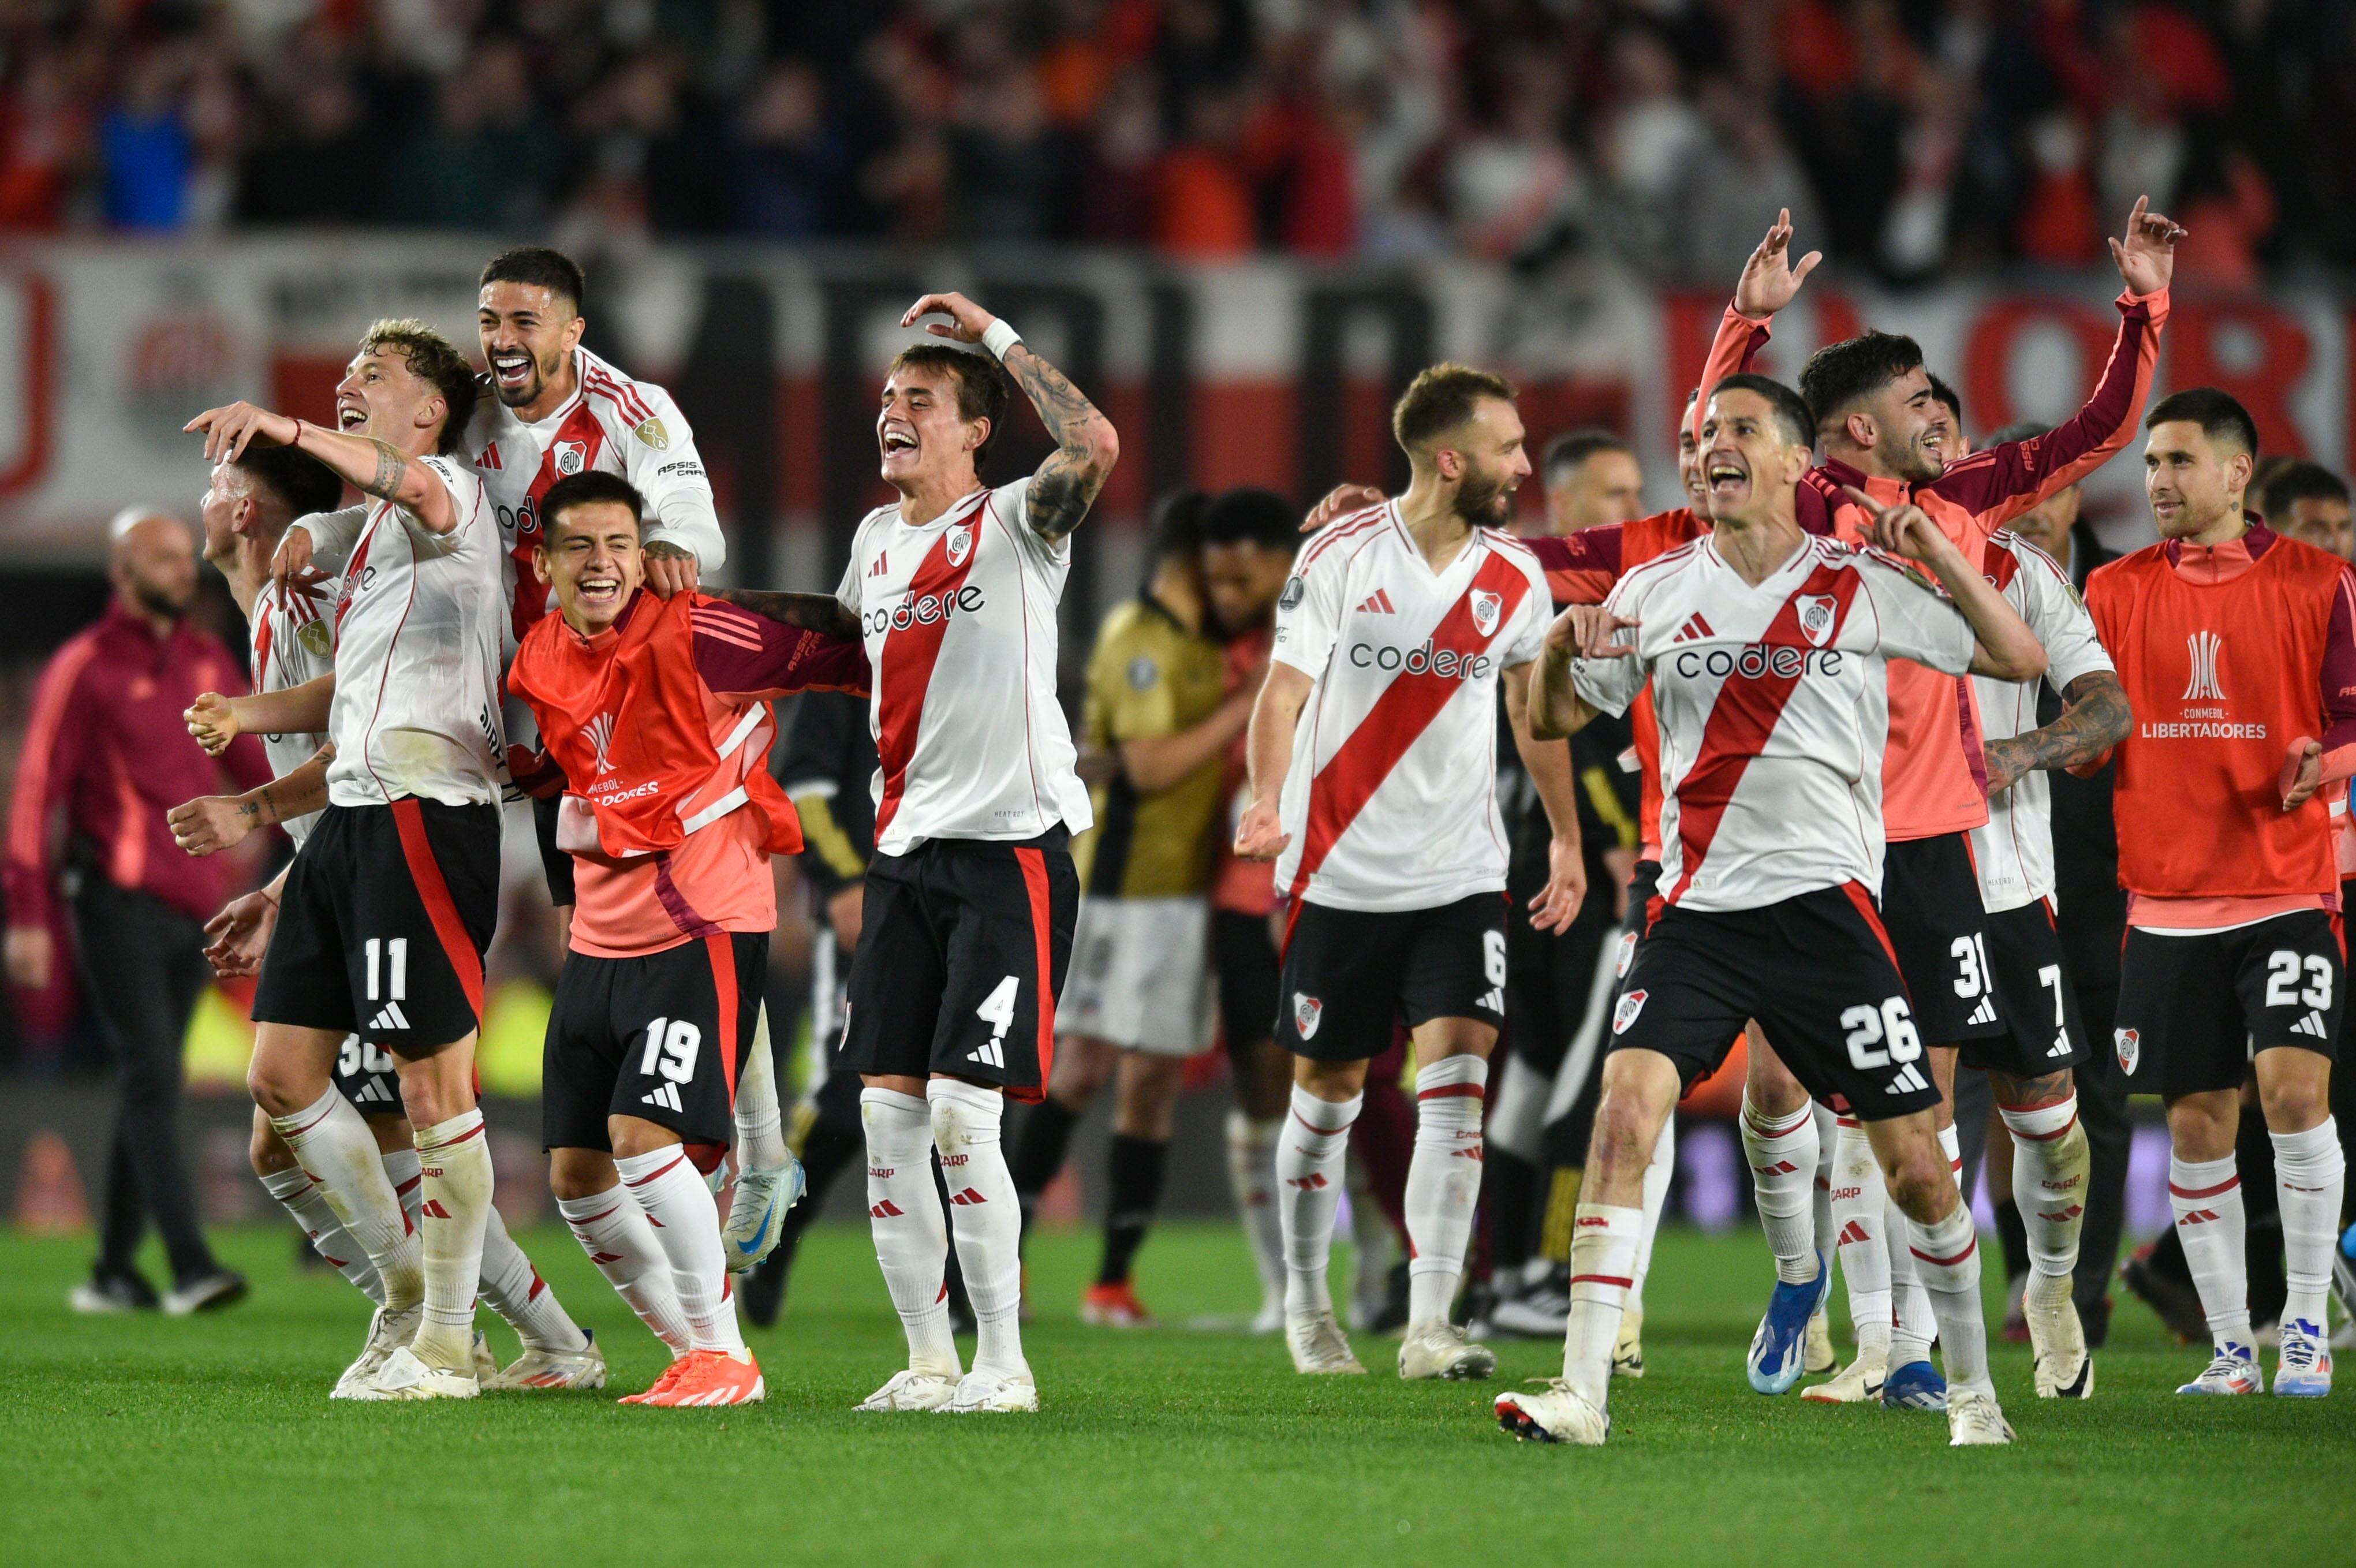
(1341, 501)
(966, 320)
(209, 825)
(1260, 835)
(2146, 257)
(1770, 281)
(231, 428)
(212, 719)
(671, 569)
(1589, 631)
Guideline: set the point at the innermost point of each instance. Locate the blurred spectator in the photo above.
(789, 161)
(144, 147)
(488, 155)
(1203, 203)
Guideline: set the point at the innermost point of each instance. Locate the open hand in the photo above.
(2146, 257)
(1769, 281)
(229, 430)
(1259, 836)
(1591, 631)
(1556, 903)
(292, 574)
(967, 323)
(1341, 501)
(236, 939)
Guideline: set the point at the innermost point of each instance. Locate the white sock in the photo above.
(2206, 1195)
(456, 1192)
(2310, 1175)
(984, 1217)
(1602, 1258)
(401, 1169)
(1827, 1239)
(1860, 1203)
(515, 1291)
(1657, 1172)
(1781, 1152)
(1443, 1181)
(903, 1212)
(1950, 1143)
(613, 1229)
(1251, 1173)
(671, 1192)
(760, 1125)
(2049, 1166)
(1913, 1325)
(1309, 1189)
(300, 1196)
(332, 1144)
(1947, 1257)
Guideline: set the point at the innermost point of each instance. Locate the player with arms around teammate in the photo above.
(656, 714)
(1767, 653)
(1373, 776)
(392, 898)
(967, 926)
(2237, 649)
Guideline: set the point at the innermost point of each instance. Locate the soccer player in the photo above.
(1158, 705)
(247, 509)
(557, 410)
(967, 925)
(1591, 479)
(655, 712)
(1396, 628)
(392, 898)
(2238, 649)
(1884, 434)
(1767, 651)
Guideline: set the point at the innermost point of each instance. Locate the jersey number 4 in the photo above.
(997, 1010)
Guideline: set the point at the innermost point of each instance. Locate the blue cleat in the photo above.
(756, 1215)
(1779, 1351)
(1914, 1386)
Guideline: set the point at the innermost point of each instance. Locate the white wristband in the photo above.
(999, 337)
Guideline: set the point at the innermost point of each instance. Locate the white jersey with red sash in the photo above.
(1391, 803)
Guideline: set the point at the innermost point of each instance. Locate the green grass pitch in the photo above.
(211, 1440)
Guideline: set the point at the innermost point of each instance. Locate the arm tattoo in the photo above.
(1067, 482)
(811, 612)
(2096, 720)
(390, 468)
(664, 550)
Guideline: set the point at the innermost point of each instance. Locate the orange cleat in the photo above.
(713, 1377)
(1114, 1306)
(664, 1384)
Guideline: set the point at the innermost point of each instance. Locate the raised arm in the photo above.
(1085, 444)
(373, 467)
(1768, 284)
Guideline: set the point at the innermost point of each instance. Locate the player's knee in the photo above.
(2294, 1104)
(1625, 1128)
(1918, 1178)
(267, 1149)
(579, 1173)
(276, 1090)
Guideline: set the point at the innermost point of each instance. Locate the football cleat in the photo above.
(1914, 1386)
(1556, 1413)
(710, 1378)
(406, 1376)
(217, 1289)
(662, 1385)
(1114, 1306)
(1628, 1349)
(1778, 1350)
(913, 1389)
(2233, 1370)
(981, 1392)
(1859, 1382)
(1439, 1349)
(2303, 1363)
(1974, 1419)
(1821, 1356)
(105, 1294)
(1317, 1344)
(2063, 1367)
(388, 1331)
(1534, 1309)
(756, 1214)
(485, 1365)
(543, 1369)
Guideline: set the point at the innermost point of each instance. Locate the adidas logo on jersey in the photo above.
(1694, 630)
(1983, 1014)
(990, 1053)
(883, 567)
(665, 1098)
(391, 1018)
(1378, 604)
(2311, 1025)
(1906, 1079)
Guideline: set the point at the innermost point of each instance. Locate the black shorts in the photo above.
(364, 1075)
(963, 946)
(555, 864)
(661, 1037)
(1551, 974)
(2192, 1009)
(1352, 975)
(1931, 905)
(1244, 955)
(387, 913)
(1815, 970)
(1644, 886)
(2043, 1033)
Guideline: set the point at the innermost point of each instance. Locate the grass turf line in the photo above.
(211, 1440)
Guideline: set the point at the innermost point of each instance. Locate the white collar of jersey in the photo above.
(1477, 542)
(959, 510)
(1795, 560)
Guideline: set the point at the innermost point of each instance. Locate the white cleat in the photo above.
(1974, 1419)
(756, 1215)
(404, 1375)
(986, 1392)
(1628, 1350)
(2233, 1370)
(540, 1368)
(2303, 1364)
(1317, 1344)
(1557, 1413)
(913, 1389)
(2064, 1368)
(487, 1366)
(1819, 1358)
(1859, 1382)
(388, 1331)
(1439, 1349)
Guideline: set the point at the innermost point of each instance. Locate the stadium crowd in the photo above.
(1919, 137)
